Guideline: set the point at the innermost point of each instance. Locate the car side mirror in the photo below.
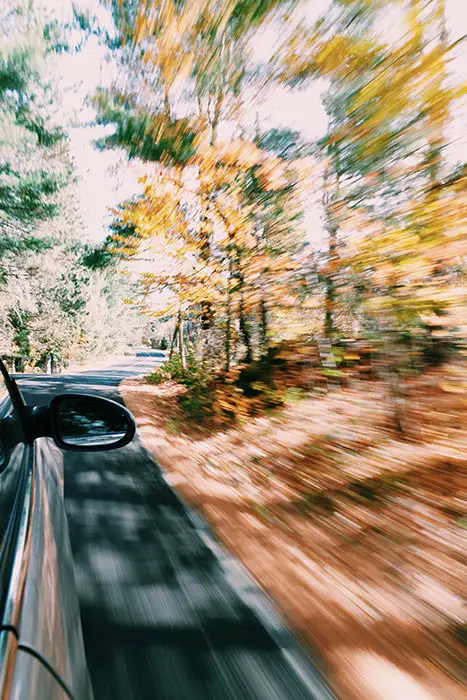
(83, 422)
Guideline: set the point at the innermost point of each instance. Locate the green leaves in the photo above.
(151, 138)
(25, 197)
(145, 134)
(246, 14)
(284, 143)
(16, 70)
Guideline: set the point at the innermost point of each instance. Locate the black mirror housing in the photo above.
(83, 423)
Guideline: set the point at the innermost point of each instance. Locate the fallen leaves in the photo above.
(356, 533)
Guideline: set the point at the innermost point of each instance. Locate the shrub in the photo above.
(197, 400)
(172, 369)
(169, 370)
(246, 391)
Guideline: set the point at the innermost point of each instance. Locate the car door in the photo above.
(41, 646)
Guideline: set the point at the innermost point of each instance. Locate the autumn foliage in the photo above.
(314, 369)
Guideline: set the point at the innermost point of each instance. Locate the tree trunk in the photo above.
(329, 198)
(264, 340)
(228, 326)
(245, 329)
(436, 138)
(205, 255)
(172, 344)
(181, 341)
(228, 338)
(199, 101)
(167, 101)
(330, 303)
(329, 307)
(220, 94)
(216, 116)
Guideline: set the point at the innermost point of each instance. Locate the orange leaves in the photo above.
(243, 154)
(303, 169)
(230, 403)
(167, 36)
(164, 233)
(220, 164)
(272, 174)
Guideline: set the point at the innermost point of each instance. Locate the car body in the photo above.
(41, 643)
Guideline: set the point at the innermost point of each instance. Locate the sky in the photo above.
(106, 177)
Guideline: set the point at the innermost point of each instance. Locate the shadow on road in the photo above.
(161, 618)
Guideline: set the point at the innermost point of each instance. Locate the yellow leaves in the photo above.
(375, 145)
(333, 55)
(451, 388)
(457, 92)
(336, 56)
(372, 90)
(167, 37)
(297, 60)
(407, 80)
(202, 140)
(376, 304)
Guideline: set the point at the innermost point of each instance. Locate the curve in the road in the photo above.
(166, 613)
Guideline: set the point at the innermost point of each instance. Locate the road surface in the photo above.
(166, 613)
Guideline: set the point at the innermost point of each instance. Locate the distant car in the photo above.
(157, 354)
(41, 644)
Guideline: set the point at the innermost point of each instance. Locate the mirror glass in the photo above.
(87, 421)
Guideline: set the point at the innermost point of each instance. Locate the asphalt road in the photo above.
(166, 612)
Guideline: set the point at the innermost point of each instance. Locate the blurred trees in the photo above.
(223, 218)
(53, 309)
(30, 171)
(220, 219)
(389, 105)
(31, 168)
(396, 233)
(217, 243)
(223, 250)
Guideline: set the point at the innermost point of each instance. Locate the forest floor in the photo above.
(358, 533)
